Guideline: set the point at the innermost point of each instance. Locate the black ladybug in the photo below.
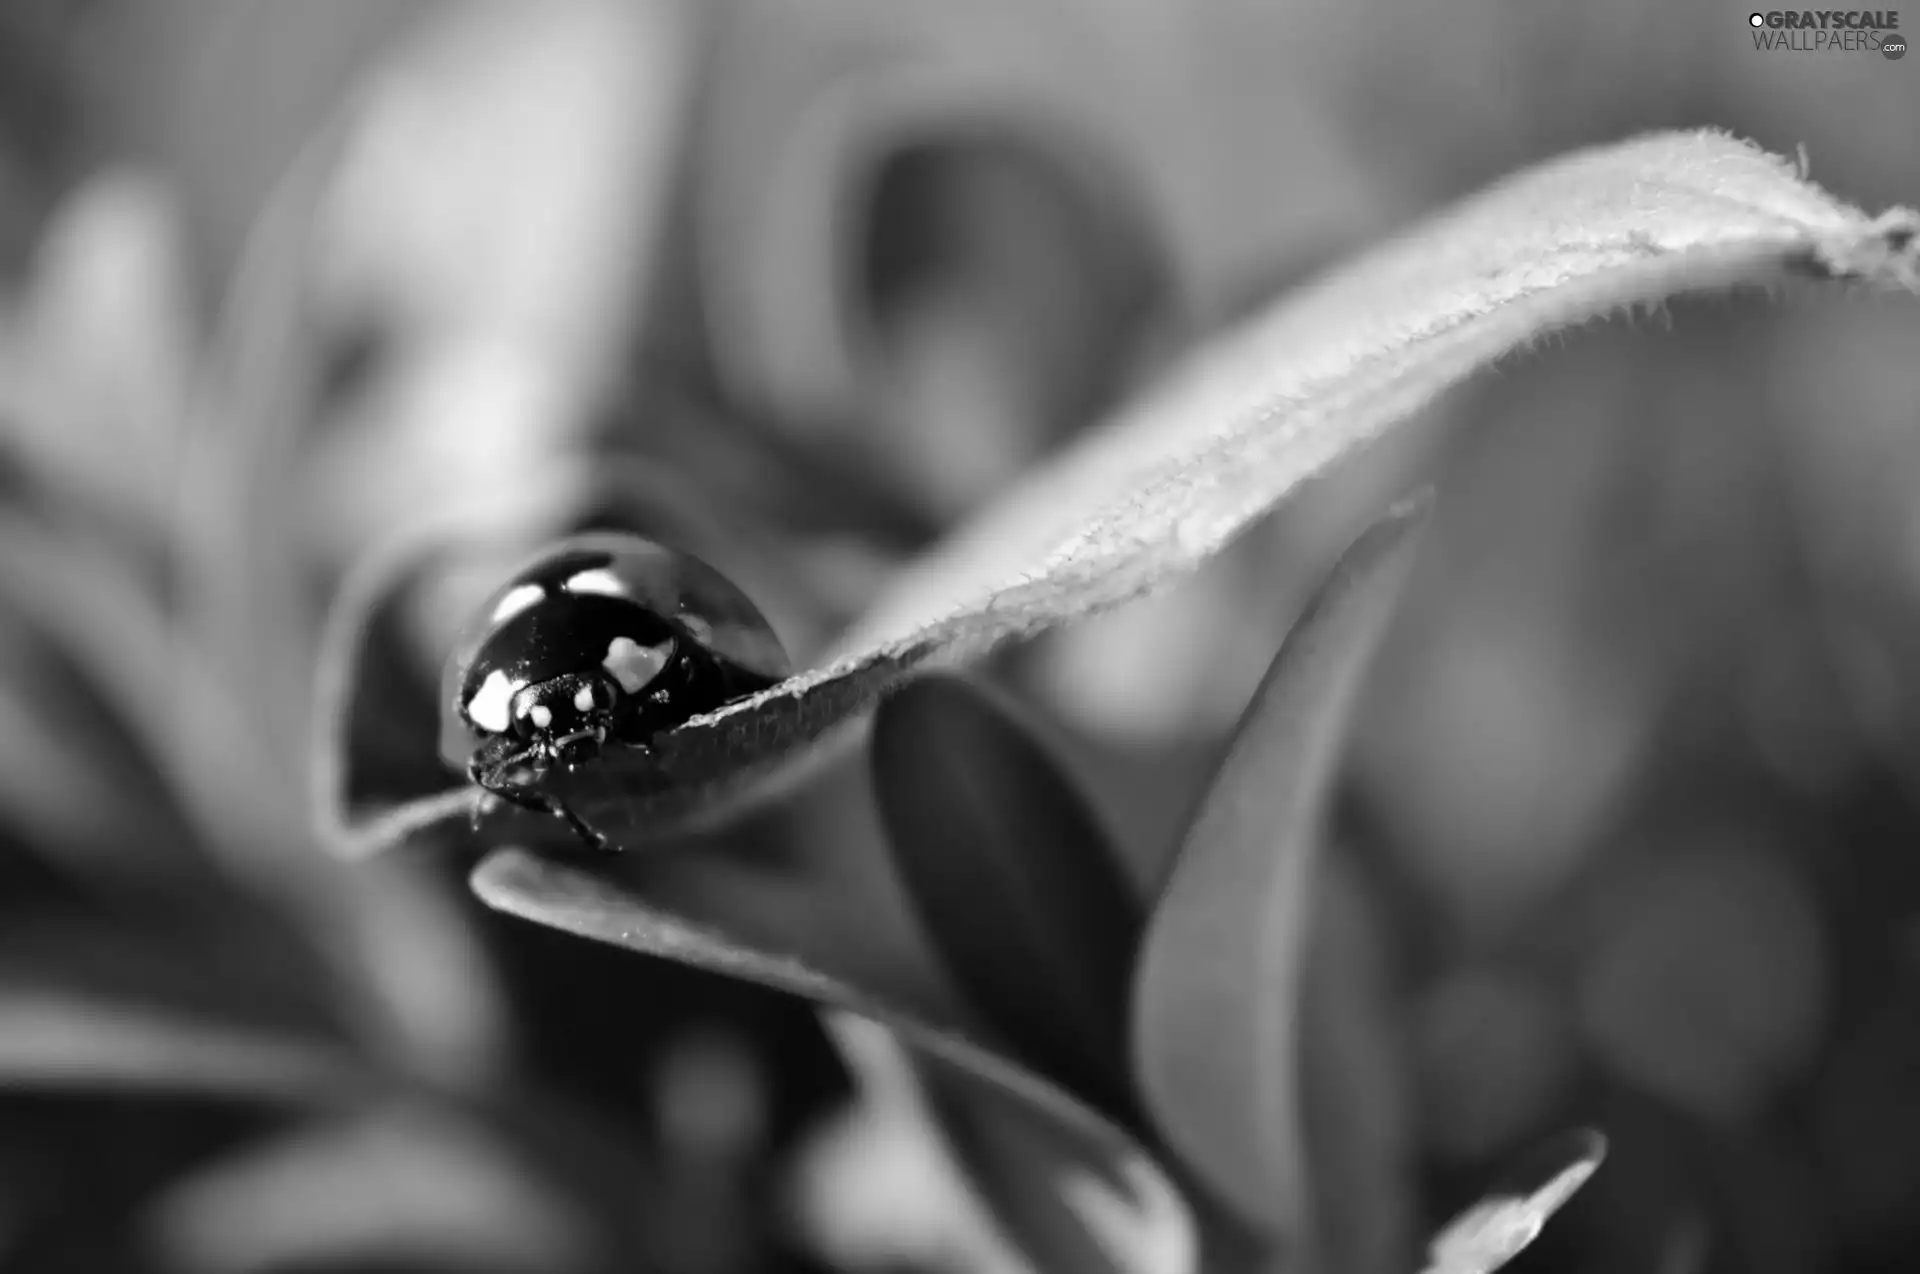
(603, 640)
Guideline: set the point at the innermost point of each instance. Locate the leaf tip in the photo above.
(501, 879)
(1385, 549)
(1885, 252)
(1505, 1222)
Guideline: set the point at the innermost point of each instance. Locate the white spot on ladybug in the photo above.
(583, 698)
(488, 707)
(516, 600)
(541, 715)
(598, 580)
(634, 665)
(697, 628)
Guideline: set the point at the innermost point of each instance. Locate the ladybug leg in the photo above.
(581, 828)
(487, 773)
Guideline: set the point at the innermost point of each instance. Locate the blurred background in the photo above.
(1630, 831)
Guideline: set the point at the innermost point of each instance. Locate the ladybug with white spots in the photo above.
(603, 640)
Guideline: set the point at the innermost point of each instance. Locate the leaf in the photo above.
(507, 277)
(63, 1041)
(92, 604)
(1122, 1192)
(1707, 979)
(247, 617)
(92, 368)
(1356, 1090)
(237, 477)
(1167, 483)
(1034, 1175)
(1013, 876)
(1216, 998)
(541, 238)
(61, 794)
(249, 631)
(397, 950)
(406, 1182)
(875, 1186)
(1495, 1230)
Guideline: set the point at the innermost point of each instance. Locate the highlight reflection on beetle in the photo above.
(602, 640)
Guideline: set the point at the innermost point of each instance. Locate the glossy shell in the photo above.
(557, 613)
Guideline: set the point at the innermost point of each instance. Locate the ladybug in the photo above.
(601, 641)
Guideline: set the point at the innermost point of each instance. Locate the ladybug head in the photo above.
(567, 717)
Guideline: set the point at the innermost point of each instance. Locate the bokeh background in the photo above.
(1630, 831)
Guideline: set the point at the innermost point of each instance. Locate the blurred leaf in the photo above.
(1047, 1185)
(800, 157)
(405, 1185)
(237, 481)
(1170, 481)
(1135, 1194)
(1865, 1126)
(1355, 1091)
(92, 379)
(508, 175)
(875, 1187)
(58, 1039)
(1709, 980)
(1216, 1000)
(92, 605)
(52, 785)
(495, 220)
(1056, 1196)
(1494, 1050)
(249, 613)
(1495, 1230)
(1015, 879)
(399, 957)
